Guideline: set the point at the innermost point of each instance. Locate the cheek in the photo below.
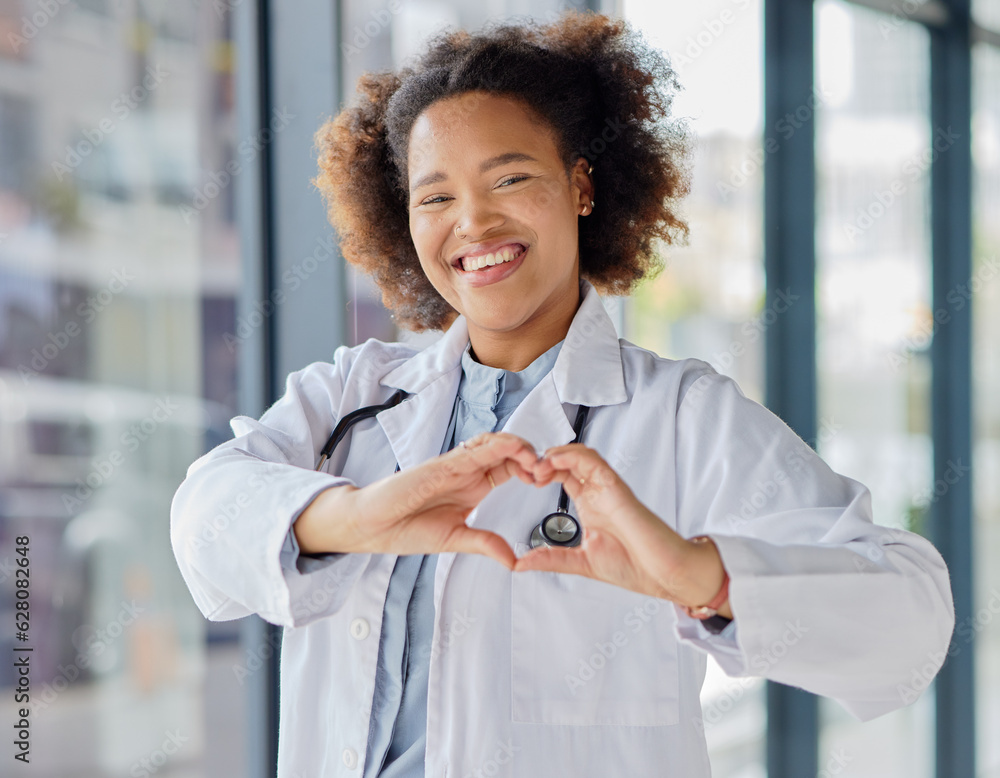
(548, 203)
(426, 239)
(429, 244)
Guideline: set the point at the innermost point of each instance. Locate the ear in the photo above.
(582, 182)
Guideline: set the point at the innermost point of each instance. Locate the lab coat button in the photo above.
(350, 758)
(359, 631)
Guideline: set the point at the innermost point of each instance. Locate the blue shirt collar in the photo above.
(496, 388)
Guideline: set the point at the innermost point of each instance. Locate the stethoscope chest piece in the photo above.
(558, 529)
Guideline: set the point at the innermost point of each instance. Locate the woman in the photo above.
(491, 190)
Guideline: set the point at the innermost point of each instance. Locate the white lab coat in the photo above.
(543, 674)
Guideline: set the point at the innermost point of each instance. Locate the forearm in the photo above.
(685, 572)
(326, 524)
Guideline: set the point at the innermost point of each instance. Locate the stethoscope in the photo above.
(559, 528)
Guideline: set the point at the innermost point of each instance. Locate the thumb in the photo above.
(556, 560)
(466, 540)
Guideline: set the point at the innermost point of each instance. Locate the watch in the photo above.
(703, 612)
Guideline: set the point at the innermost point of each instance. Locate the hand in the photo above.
(421, 510)
(624, 543)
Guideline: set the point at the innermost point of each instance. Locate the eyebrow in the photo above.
(489, 164)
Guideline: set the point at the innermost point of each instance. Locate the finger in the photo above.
(513, 469)
(482, 452)
(466, 540)
(574, 462)
(556, 560)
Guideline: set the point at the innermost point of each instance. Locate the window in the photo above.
(983, 288)
(119, 271)
(874, 147)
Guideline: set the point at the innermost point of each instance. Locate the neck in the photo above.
(515, 350)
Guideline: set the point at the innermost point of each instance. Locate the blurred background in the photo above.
(165, 262)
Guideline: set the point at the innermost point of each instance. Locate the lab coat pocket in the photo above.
(584, 652)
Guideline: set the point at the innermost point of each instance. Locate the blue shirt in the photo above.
(397, 735)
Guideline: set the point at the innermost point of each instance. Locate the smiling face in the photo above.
(493, 217)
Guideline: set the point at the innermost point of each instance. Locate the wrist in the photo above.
(707, 590)
(324, 525)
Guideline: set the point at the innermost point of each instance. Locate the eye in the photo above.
(512, 180)
(436, 199)
(433, 200)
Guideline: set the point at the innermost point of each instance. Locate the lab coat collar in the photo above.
(588, 370)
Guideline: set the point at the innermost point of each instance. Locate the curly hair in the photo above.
(606, 94)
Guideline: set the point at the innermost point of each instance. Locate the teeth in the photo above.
(506, 254)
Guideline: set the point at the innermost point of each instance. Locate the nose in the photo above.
(476, 217)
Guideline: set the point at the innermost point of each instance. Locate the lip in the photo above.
(491, 275)
(480, 249)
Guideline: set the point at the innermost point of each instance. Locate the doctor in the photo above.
(422, 635)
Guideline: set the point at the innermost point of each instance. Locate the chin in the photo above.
(499, 321)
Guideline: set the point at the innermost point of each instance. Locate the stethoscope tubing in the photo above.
(353, 418)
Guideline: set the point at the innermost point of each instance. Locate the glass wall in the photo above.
(709, 301)
(874, 148)
(119, 269)
(984, 290)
